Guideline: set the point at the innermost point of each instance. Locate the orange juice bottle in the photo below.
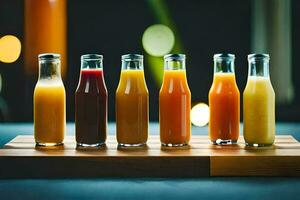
(174, 103)
(259, 103)
(49, 103)
(132, 112)
(224, 102)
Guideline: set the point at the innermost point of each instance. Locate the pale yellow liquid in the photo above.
(49, 112)
(259, 111)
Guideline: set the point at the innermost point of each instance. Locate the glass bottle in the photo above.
(49, 102)
(224, 102)
(259, 103)
(132, 103)
(91, 104)
(174, 103)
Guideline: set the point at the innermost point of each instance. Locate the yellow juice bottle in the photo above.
(259, 103)
(49, 103)
(132, 103)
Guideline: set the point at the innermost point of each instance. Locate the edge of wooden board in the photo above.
(201, 160)
(87, 167)
(255, 165)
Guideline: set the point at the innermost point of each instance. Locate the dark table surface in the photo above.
(148, 188)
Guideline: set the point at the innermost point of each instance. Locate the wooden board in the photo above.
(20, 159)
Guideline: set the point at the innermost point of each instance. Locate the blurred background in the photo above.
(198, 28)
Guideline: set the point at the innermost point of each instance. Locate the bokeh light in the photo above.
(200, 114)
(158, 40)
(10, 48)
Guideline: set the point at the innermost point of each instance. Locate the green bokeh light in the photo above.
(158, 40)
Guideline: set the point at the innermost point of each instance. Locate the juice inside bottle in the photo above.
(224, 102)
(91, 104)
(259, 103)
(49, 103)
(174, 103)
(132, 112)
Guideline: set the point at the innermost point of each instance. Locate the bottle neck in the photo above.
(132, 62)
(91, 62)
(258, 67)
(49, 69)
(223, 64)
(174, 62)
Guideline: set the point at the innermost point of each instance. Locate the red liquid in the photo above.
(91, 107)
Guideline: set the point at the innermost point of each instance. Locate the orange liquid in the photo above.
(49, 112)
(224, 105)
(45, 31)
(132, 108)
(174, 108)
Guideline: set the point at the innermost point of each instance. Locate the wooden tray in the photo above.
(19, 159)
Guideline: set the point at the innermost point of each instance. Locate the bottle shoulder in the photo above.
(91, 86)
(175, 89)
(130, 89)
(49, 83)
(224, 87)
(259, 83)
(132, 84)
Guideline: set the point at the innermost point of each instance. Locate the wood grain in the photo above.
(20, 159)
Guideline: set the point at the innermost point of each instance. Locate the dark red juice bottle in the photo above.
(91, 104)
